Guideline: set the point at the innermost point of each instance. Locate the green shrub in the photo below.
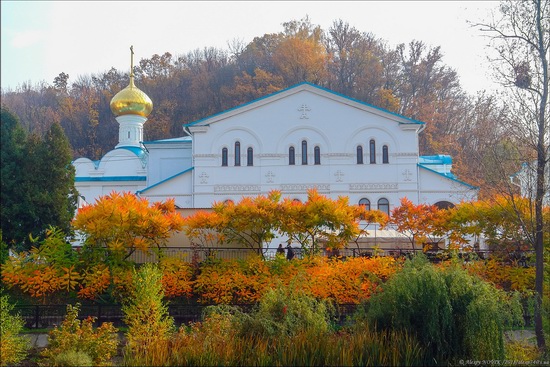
(208, 343)
(215, 343)
(13, 347)
(149, 325)
(4, 250)
(72, 358)
(74, 335)
(282, 313)
(522, 350)
(416, 300)
(454, 315)
(287, 329)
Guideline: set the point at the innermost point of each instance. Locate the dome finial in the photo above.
(131, 100)
(132, 65)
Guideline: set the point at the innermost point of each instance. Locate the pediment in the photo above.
(302, 110)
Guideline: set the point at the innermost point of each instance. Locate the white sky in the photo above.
(41, 39)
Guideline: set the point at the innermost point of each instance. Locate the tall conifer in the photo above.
(12, 152)
(37, 182)
(53, 181)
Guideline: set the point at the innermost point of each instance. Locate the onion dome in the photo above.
(131, 100)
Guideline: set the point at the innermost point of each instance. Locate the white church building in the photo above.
(299, 138)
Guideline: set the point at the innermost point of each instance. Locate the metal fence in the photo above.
(48, 316)
(200, 254)
(194, 254)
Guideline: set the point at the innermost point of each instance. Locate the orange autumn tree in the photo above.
(251, 222)
(245, 282)
(123, 223)
(506, 223)
(201, 228)
(320, 219)
(416, 221)
(368, 218)
(347, 282)
(447, 226)
(45, 269)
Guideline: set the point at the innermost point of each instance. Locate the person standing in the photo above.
(289, 252)
(280, 250)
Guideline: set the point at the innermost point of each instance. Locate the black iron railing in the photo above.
(48, 316)
(523, 258)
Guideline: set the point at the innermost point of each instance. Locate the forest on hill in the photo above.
(410, 79)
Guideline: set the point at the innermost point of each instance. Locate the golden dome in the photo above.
(131, 101)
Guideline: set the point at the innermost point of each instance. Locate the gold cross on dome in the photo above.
(132, 60)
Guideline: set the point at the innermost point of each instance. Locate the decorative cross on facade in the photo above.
(339, 174)
(269, 175)
(204, 178)
(407, 175)
(304, 109)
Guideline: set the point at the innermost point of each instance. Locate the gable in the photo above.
(329, 100)
(433, 182)
(308, 113)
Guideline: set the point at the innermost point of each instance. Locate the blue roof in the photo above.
(315, 86)
(111, 178)
(183, 139)
(165, 180)
(435, 159)
(139, 152)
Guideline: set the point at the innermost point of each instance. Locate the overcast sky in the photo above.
(41, 39)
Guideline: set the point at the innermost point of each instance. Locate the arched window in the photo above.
(359, 154)
(372, 151)
(237, 153)
(385, 156)
(384, 206)
(317, 155)
(249, 157)
(365, 202)
(304, 152)
(291, 156)
(224, 157)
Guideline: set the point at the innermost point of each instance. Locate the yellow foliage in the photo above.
(346, 282)
(95, 281)
(123, 222)
(176, 277)
(504, 276)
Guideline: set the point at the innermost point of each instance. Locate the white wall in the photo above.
(337, 128)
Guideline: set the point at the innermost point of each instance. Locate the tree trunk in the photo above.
(541, 168)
